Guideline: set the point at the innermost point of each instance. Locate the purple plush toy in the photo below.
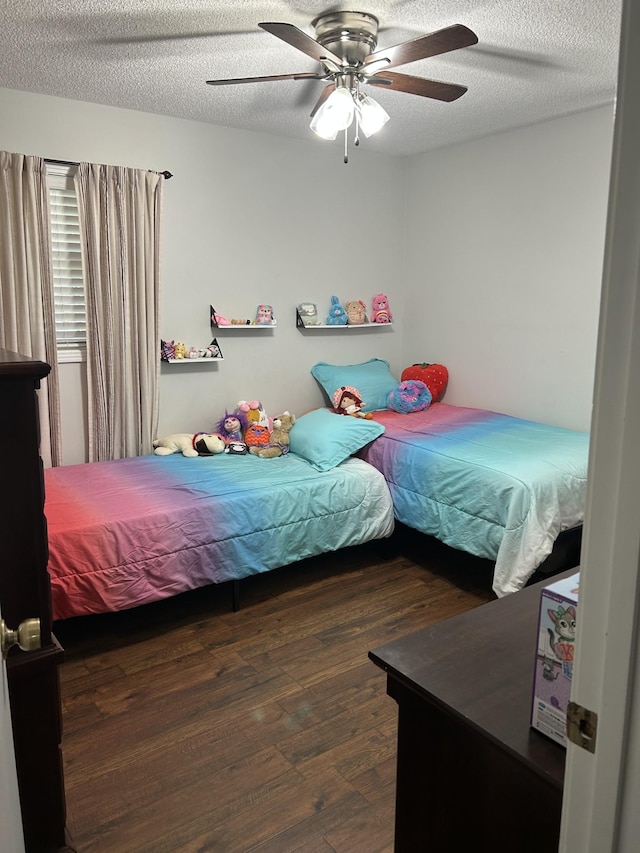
(410, 396)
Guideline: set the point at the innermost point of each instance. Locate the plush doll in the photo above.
(381, 313)
(356, 315)
(279, 438)
(200, 444)
(308, 314)
(257, 436)
(337, 314)
(180, 350)
(254, 413)
(231, 427)
(347, 401)
(218, 319)
(264, 316)
(167, 350)
(410, 396)
(212, 351)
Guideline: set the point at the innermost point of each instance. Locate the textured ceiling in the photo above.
(535, 60)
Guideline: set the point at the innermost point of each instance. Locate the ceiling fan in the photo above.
(345, 46)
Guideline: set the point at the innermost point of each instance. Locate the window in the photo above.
(68, 282)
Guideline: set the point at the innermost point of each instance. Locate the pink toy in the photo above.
(347, 401)
(264, 316)
(381, 312)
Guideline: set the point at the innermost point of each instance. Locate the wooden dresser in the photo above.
(25, 593)
(471, 774)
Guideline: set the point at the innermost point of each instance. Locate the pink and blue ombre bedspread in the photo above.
(131, 531)
(486, 483)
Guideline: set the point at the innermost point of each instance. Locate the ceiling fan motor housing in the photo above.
(350, 35)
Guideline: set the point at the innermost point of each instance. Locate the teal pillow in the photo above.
(325, 439)
(372, 379)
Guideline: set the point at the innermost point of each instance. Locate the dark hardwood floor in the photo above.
(190, 727)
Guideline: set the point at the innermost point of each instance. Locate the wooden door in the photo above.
(25, 593)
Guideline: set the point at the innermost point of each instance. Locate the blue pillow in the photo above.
(372, 378)
(325, 439)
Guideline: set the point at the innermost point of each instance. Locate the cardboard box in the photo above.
(554, 658)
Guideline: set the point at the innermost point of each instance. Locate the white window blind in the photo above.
(68, 282)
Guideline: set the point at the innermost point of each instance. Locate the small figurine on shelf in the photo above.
(167, 350)
(180, 350)
(192, 352)
(381, 312)
(356, 315)
(264, 316)
(213, 350)
(337, 314)
(217, 319)
(308, 314)
(347, 401)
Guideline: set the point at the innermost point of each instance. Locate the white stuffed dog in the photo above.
(200, 444)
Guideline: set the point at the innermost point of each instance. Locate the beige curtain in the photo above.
(119, 212)
(27, 323)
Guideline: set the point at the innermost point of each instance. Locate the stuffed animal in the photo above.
(218, 319)
(257, 436)
(264, 316)
(200, 444)
(167, 350)
(254, 413)
(231, 427)
(381, 313)
(356, 315)
(411, 395)
(180, 350)
(434, 376)
(347, 401)
(337, 314)
(279, 438)
(308, 314)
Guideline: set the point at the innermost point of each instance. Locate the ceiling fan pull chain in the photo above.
(346, 145)
(356, 139)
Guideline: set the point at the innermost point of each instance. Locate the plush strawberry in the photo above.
(434, 376)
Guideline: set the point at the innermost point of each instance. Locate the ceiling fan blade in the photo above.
(301, 76)
(300, 40)
(442, 41)
(417, 86)
(323, 97)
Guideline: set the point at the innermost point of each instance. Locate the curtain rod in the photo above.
(166, 175)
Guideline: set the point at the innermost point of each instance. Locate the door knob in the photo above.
(27, 636)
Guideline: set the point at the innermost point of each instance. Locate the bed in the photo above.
(490, 484)
(127, 532)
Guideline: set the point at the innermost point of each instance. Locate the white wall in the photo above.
(497, 243)
(504, 251)
(248, 218)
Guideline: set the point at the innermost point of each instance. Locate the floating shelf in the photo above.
(237, 326)
(193, 360)
(344, 328)
(200, 359)
(312, 328)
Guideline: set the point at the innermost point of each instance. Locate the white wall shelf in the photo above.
(240, 327)
(347, 327)
(335, 328)
(237, 327)
(193, 360)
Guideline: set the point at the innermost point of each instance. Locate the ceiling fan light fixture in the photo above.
(371, 116)
(334, 115)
